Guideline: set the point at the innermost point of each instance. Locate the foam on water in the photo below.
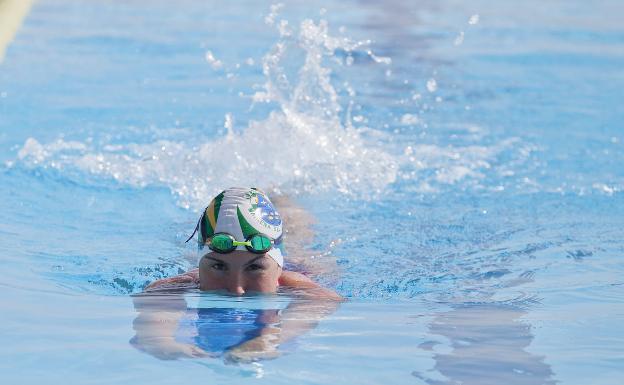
(306, 144)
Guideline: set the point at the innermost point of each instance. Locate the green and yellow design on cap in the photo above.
(208, 221)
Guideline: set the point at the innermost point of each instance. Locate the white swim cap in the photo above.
(242, 212)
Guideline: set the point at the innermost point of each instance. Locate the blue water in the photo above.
(463, 162)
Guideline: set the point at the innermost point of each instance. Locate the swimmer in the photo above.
(240, 243)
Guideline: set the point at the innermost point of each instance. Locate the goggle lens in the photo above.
(260, 243)
(222, 243)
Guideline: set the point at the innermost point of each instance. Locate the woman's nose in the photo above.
(238, 290)
(235, 286)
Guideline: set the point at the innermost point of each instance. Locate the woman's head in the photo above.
(236, 217)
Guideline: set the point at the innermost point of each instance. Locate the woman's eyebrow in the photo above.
(255, 259)
(215, 259)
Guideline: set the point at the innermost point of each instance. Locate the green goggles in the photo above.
(226, 243)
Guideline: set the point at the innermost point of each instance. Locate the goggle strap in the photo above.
(194, 231)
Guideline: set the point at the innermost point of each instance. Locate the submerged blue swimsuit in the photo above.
(217, 329)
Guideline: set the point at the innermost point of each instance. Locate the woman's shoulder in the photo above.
(186, 280)
(295, 280)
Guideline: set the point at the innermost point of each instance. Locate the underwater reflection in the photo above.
(176, 325)
(488, 344)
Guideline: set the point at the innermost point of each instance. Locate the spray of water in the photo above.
(306, 144)
(302, 146)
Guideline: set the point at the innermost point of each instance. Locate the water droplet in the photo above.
(409, 119)
(214, 62)
(432, 85)
(459, 39)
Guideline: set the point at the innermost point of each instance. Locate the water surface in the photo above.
(463, 162)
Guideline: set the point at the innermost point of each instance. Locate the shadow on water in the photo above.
(488, 343)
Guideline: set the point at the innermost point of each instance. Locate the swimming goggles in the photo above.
(226, 243)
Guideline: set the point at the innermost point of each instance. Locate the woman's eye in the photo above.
(218, 266)
(254, 267)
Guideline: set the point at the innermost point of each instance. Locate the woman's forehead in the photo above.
(237, 257)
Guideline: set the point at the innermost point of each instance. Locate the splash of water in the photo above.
(302, 146)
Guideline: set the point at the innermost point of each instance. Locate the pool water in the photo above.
(463, 162)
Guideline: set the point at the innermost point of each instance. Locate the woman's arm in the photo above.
(156, 324)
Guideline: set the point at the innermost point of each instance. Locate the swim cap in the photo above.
(242, 212)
